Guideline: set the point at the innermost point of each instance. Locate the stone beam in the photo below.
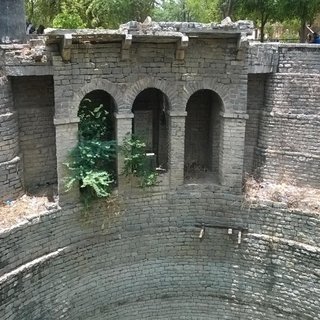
(182, 45)
(126, 45)
(65, 47)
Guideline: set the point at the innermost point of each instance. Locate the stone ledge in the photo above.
(28, 70)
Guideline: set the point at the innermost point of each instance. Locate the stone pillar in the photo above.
(231, 155)
(176, 147)
(66, 140)
(11, 175)
(12, 21)
(123, 128)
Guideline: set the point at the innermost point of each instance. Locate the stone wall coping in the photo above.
(7, 115)
(153, 31)
(281, 45)
(177, 113)
(65, 121)
(234, 115)
(128, 115)
(289, 153)
(28, 70)
(12, 161)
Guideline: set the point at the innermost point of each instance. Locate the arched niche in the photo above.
(202, 136)
(103, 100)
(150, 123)
(97, 123)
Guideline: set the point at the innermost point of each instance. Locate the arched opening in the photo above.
(97, 131)
(150, 123)
(202, 136)
(93, 120)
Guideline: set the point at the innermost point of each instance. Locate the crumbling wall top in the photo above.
(156, 30)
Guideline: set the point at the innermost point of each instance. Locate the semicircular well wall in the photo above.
(146, 261)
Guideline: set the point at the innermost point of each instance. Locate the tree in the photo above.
(172, 10)
(260, 11)
(227, 7)
(187, 10)
(72, 15)
(204, 10)
(42, 11)
(110, 14)
(87, 13)
(304, 10)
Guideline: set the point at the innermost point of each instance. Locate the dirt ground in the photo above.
(286, 192)
(44, 199)
(36, 202)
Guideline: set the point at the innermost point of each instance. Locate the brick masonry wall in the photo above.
(295, 58)
(34, 102)
(288, 144)
(147, 261)
(10, 166)
(209, 64)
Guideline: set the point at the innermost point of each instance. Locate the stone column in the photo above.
(66, 140)
(11, 174)
(231, 155)
(123, 128)
(176, 138)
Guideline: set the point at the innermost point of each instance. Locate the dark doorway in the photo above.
(150, 123)
(202, 136)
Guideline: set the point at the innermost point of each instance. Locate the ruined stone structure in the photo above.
(212, 106)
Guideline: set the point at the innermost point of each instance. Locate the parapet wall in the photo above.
(147, 261)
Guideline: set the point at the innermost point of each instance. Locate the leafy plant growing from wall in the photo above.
(92, 164)
(137, 163)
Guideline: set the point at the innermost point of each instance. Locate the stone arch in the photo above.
(115, 91)
(168, 88)
(202, 135)
(220, 89)
(150, 122)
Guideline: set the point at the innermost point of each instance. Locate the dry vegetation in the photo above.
(13, 212)
(292, 196)
(286, 192)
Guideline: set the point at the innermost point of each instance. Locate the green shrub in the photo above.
(92, 162)
(136, 162)
(92, 166)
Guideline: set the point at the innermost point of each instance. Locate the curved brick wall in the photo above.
(148, 263)
(10, 164)
(288, 147)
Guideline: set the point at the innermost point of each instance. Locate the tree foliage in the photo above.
(303, 10)
(111, 13)
(261, 11)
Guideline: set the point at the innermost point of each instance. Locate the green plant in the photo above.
(92, 162)
(91, 165)
(95, 121)
(137, 163)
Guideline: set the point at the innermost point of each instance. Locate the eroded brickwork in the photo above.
(147, 261)
(11, 184)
